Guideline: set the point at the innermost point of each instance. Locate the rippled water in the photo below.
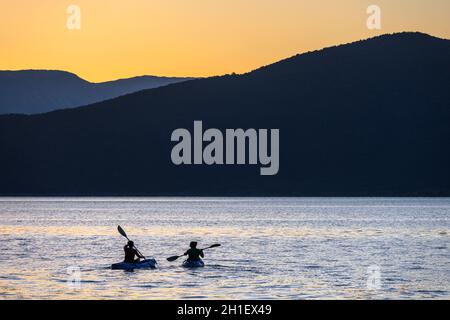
(289, 248)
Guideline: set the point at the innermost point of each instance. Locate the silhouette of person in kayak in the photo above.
(131, 252)
(193, 253)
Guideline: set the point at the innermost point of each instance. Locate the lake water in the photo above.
(272, 248)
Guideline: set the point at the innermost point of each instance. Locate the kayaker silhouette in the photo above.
(194, 256)
(193, 253)
(131, 252)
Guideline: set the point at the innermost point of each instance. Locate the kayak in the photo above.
(144, 264)
(193, 264)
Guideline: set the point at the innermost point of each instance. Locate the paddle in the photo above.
(173, 258)
(123, 233)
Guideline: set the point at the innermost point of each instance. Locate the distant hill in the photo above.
(370, 118)
(38, 91)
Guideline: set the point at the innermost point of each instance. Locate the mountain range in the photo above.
(369, 118)
(39, 91)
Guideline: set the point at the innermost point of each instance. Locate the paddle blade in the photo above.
(215, 245)
(173, 258)
(121, 231)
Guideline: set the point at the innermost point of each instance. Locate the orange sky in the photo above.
(121, 38)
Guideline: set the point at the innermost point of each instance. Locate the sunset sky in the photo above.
(121, 38)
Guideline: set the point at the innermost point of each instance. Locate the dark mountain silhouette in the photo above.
(371, 118)
(39, 91)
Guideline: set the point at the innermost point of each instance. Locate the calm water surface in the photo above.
(289, 248)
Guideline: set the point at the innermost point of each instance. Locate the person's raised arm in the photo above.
(138, 254)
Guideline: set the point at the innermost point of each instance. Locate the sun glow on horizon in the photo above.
(197, 38)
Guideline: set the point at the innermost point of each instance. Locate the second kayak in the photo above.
(193, 264)
(144, 264)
